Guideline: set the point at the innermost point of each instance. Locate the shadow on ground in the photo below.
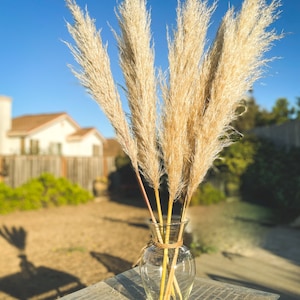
(284, 241)
(32, 281)
(135, 198)
(142, 223)
(112, 263)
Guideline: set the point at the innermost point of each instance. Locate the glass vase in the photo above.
(167, 267)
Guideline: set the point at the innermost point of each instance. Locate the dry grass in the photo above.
(201, 91)
(229, 70)
(95, 75)
(185, 54)
(137, 62)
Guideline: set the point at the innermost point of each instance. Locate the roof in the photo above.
(83, 132)
(27, 124)
(112, 148)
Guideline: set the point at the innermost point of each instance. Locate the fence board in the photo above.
(83, 170)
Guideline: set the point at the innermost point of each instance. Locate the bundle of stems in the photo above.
(182, 134)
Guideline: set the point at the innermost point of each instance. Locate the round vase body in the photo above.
(167, 266)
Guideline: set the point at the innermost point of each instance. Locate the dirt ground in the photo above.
(52, 252)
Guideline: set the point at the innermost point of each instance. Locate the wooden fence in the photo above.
(286, 134)
(16, 170)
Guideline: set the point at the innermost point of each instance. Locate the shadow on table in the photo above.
(34, 281)
(113, 264)
(131, 287)
(283, 296)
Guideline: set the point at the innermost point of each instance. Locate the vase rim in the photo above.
(176, 219)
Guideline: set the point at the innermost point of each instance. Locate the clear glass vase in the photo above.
(167, 267)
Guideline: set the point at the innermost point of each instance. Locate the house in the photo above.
(47, 134)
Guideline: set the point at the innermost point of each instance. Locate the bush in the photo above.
(273, 179)
(233, 163)
(44, 191)
(7, 199)
(207, 194)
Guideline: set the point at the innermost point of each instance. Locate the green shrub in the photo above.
(8, 202)
(44, 191)
(233, 164)
(207, 194)
(29, 195)
(232, 188)
(273, 179)
(198, 248)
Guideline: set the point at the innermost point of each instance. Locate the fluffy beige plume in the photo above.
(185, 53)
(233, 64)
(137, 63)
(95, 75)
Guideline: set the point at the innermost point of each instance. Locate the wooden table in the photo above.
(128, 285)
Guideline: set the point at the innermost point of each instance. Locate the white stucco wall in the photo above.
(54, 133)
(5, 123)
(14, 145)
(84, 147)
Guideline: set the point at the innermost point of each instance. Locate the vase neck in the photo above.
(172, 232)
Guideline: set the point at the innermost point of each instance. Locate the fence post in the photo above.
(63, 163)
(105, 166)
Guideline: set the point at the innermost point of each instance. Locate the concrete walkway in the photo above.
(275, 267)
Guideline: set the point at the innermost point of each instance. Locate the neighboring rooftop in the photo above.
(112, 148)
(26, 124)
(82, 132)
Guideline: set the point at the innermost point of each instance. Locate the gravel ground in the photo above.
(48, 253)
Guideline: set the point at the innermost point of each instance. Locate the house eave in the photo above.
(77, 138)
(17, 134)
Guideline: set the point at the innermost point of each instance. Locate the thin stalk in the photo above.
(158, 204)
(177, 288)
(146, 199)
(166, 251)
(180, 236)
(172, 276)
(164, 274)
(145, 196)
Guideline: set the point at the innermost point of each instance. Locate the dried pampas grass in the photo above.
(229, 69)
(185, 53)
(137, 62)
(200, 92)
(95, 75)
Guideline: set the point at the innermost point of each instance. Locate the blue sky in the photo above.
(33, 58)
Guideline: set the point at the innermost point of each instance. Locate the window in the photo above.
(55, 148)
(34, 147)
(22, 146)
(96, 150)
